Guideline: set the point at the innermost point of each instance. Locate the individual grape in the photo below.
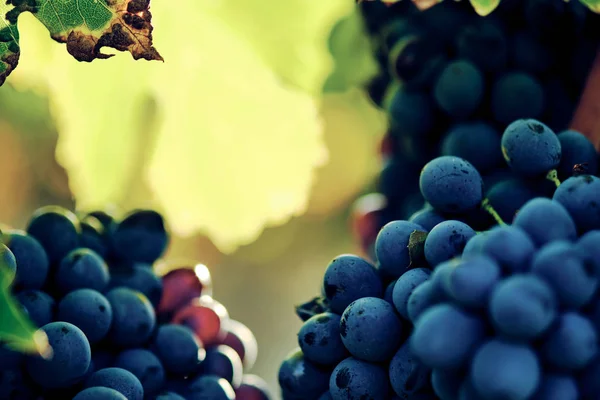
(40, 307)
(451, 184)
(99, 393)
(88, 310)
(505, 370)
(93, 236)
(370, 329)
(82, 269)
(210, 387)
(508, 196)
(224, 362)
(118, 379)
(70, 361)
(411, 112)
(517, 95)
(476, 142)
(446, 383)
(471, 282)
(459, 88)
(446, 241)
(253, 387)
(530, 148)
(354, 379)
(178, 349)
(349, 278)
(139, 277)
(145, 366)
(105, 217)
(510, 247)
(427, 218)
(326, 396)
(572, 343)
(580, 195)
(559, 224)
(133, 317)
(299, 378)
(405, 286)
(415, 59)
(439, 347)
(391, 248)
(57, 230)
(240, 338)
(484, 44)
(422, 297)
(576, 149)
(523, 307)
(557, 387)
(320, 341)
(200, 316)
(8, 264)
(407, 375)
(588, 244)
(182, 285)
(168, 396)
(565, 269)
(388, 294)
(475, 245)
(394, 171)
(140, 237)
(31, 258)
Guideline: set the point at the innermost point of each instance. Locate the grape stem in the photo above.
(587, 115)
(552, 176)
(485, 204)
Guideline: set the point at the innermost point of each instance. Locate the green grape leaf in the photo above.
(86, 26)
(17, 332)
(9, 42)
(235, 134)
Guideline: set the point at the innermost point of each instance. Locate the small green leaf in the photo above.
(17, 332)
(9, 42)
(416, 249)
(484, 7)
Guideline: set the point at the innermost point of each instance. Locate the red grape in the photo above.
(182, 285)
(365, 218)
(252, 388)
(386, 147)
(203, 316)
(240, 338)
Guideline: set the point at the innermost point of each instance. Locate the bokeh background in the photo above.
(117, 122)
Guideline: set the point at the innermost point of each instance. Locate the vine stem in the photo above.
(587, 116)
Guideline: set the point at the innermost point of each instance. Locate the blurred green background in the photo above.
(128, 138)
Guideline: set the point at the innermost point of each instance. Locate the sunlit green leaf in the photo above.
(17, 332)
(86, 26)
(485, 7)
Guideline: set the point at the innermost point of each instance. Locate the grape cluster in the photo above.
(117, 330)
(452, 81)
(453, 312)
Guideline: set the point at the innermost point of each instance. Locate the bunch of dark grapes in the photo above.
(118, 331)
(453, 312)
(451, 81)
